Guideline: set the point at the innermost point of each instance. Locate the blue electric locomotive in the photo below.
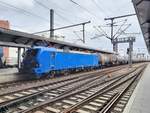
(43, 60)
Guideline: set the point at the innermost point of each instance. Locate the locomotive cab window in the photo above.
(31, 53)
(34, 52)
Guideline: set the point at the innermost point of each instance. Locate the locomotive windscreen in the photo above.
(31, 53)
(30, 58)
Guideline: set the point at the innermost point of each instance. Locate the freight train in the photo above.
(42, 61)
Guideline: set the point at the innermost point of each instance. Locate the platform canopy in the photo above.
(142, 8)
(14, 38)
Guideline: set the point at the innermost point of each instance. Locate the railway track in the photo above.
(45, 80)
(31, 80)
(87, 99)
(13, 95)
(34, 97)
(23, 85)
(104, 101)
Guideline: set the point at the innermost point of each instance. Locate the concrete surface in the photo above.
(5, 71)
(11, 74)
(140, 99)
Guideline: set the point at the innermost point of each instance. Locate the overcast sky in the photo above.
(32, 17)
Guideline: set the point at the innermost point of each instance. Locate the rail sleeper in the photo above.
(52, 94)
(2, 100)
(25, 92)
(69, 102)
(82, 111)
(48, 108)
(120, 105)
(18, 95)
(95, 104)
(23, 107)
(33, 91)
(39, 112)
(117, 109)
(65, 106)
(99, 100)
(103, 98)
(123, 102)
(40, 100)
(107, 95)
(9, 97)
(89, 107)
(80, 96)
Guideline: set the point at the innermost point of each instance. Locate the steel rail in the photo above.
(42, 82)
(69, 94)
(111, 103)
(6, 104)
(111, 87)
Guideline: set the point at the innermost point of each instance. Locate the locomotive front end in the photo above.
(30, 62)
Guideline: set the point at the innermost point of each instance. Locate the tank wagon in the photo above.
(122, 59)
(107, 60)
(42, 60)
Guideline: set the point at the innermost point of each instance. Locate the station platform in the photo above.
(5, 71)
(11, 74)
(140, 99)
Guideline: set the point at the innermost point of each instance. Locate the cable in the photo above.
(84, 9)
(62, 11)
(108, 8)
(94, 2)
(123, 30)
(67, 20)
(120, 28)
(41, 4)
(23, 10)
(106, 35)
(46, 7)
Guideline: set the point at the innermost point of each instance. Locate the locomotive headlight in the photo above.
(34, 64)
(37, 65)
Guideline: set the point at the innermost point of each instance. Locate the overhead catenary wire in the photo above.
(67, 20)
(106, 35)
(23, 11)
(123, 31)
(107, 7)
(100, 8)
(58, 8)
(61, 10)
(46, 7)
(89, 12)
(120, 28)
(76, 34)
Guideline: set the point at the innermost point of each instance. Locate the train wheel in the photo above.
(66, 73)
(52, 74)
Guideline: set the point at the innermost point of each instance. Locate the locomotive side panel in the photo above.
(74, 60)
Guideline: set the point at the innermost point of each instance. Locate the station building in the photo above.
(7, 54)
